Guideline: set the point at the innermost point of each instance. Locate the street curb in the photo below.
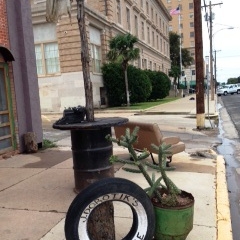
(224, 227)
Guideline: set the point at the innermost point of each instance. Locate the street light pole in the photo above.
(211, 55)
(207, 76)
(215, 67)
(213, 81)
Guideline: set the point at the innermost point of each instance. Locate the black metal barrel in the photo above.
(91, 152)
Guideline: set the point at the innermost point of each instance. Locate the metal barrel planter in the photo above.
(90, 149)
(91, 153)
(174, 223)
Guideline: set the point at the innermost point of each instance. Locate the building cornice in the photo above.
(165, 10)
(136, 8)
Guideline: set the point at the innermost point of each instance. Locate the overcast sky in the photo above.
(226, 41)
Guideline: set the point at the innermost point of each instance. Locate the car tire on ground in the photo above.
(111, 189)
(225, 93)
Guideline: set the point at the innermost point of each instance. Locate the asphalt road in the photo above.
(232, 104)
(229, 129)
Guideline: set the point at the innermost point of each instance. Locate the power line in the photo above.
(229, 56)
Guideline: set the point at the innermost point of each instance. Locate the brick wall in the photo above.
(68, 36)
(3, 24)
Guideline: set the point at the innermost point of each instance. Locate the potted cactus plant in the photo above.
(173, 207)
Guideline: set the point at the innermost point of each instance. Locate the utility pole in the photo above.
(215, 68)
(200, 117)
(211, 51)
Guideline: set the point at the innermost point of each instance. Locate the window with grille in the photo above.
(148, 33)
(153, 39)
(150, 65)
(190, 5)
(96, 58)
(96, 54)
(118, 11)
(144, 63)
(136, 26)
(47, 58)
(143, 35)
(128, 18)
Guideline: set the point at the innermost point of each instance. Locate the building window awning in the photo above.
(6, 53)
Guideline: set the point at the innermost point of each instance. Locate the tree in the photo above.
(232, 80)
(122, 50)
(187, 60)
(85, 61)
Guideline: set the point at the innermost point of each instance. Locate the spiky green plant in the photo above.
(138, 160)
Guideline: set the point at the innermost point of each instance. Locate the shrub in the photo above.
(113, 78)
(140, 86)
(160, 84)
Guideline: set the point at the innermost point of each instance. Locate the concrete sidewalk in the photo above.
(37, 189)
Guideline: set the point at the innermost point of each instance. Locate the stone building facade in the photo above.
(19, 97)
(61, 84)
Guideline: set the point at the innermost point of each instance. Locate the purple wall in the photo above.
(24, 69)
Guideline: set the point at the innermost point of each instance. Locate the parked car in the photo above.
(191, 90)
(228, 89)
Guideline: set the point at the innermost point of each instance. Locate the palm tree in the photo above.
(122, 50)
